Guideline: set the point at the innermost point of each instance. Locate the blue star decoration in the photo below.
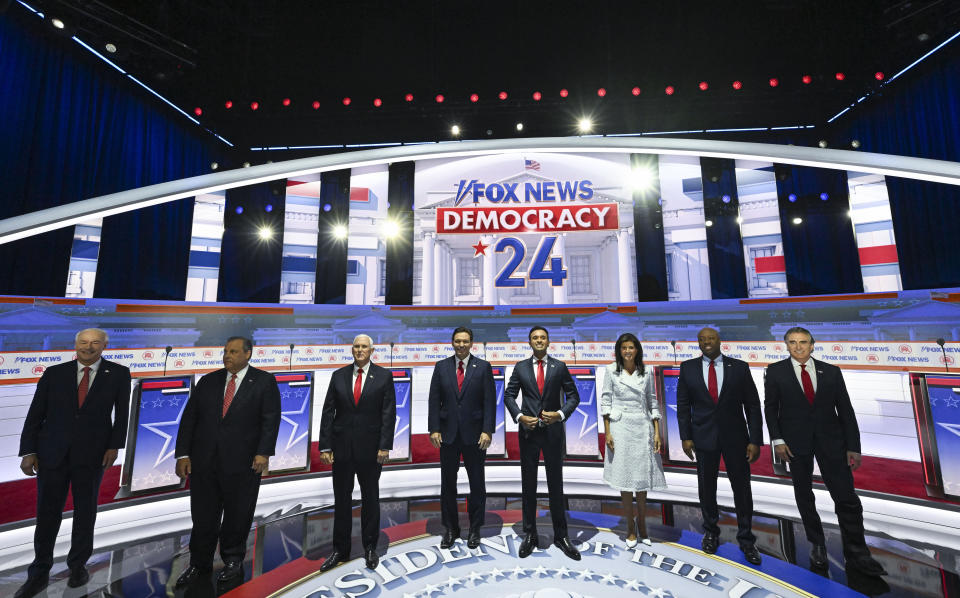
(158, 429)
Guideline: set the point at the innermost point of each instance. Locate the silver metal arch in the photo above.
(27, 225)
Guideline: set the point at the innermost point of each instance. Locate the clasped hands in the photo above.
(854, 459)
(436, 439)
(546, 418)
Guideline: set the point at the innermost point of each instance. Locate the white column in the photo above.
(427, 270)
(439, 272)
(559, 250)
(451, 283)
(623, 266)
(488, 271)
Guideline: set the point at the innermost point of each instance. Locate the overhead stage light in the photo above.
(112, 48)
(254, 105)
(840, 76)
(228, 104)
(564, 93)
(439, 98)
(474, 98)
(774, 82)
(635, 91)
(265, 233)
(502, 95)
(725, 199)
(377, 102)
(669, 90)
(806, 79)
(601, 92)
(198, 111)
(704, 86)
(57, 23)
(737, 85)
(798, 220)
(455, 130)
(878, 75)
(641, 179)
(519, 126)
(286, 101)
(346, 101)
(855, 144)
(585, 125)
(822, 143)
(708, 223)
(536, 96)
(340, 231)
(391, 229)
(408, 97)
(316, 105)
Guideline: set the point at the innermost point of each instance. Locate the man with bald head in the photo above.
(76, 424)
(718, 411)
(356, 435)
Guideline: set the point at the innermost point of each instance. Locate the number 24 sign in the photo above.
(538, 266)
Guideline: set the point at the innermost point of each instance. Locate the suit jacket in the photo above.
(228, 443)
(712, 425)
(559, 392)
(828, 424)
(55, 425)
(358, 430)
(465, 412)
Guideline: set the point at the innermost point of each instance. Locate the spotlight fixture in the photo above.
(340, 231)
(214, 166)
(669, 90)
(246, 165)
(822, 143)
(502, 95)
(774, 81)
(474, 98)
(265, 233)
(855, 144)
(738, 85)
(807, 79)
(635, 91)
(112, 48)
(346, 101)
(798, 220)
(601, 92)
(391, 229)
(708, 223)
(704, 86)
(792, 197)
(824, 196)
(878, 75)
(377, 102)
(327, 207)
(254, 105)
(536, 96)
(228, 104)
(641, 179)
(285, 102)
(198, 111)
(585, 125)
(564, 93)
(519, 126)
(408, 97)
(725, 199)
(239, 210)
(316, 105)
(455, 130)
(439, 98)
(57, 23)
(840, 76)
(268, 208)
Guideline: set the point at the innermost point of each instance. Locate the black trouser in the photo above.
(52, 486)
(552, 446)
(473, 459)
(368, 474)
(839, 481)
(222, 507)
(738, 472)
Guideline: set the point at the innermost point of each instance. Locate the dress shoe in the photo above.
(191, 573)
(336, 557)
(866, 564)
(631, 543)
(78, 577)
(710, 543)
(32, 587)
(818, 556)
(449, 537)
(473, 538)
(231, 571)
(750, 553)
(527, 546)
(647, 541)
(372, 559)
(568, 548)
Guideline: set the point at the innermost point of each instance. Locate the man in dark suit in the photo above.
(809, 416)
(356, 435)
(460, 421)
(714, 392)
(227, 434)
(68, 440)
(549, 397)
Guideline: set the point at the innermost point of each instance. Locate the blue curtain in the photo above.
(721, 207)
(648, 233)
(332, 252)
(919, 116)
(819, 252)
(399, 262)
(73, 128)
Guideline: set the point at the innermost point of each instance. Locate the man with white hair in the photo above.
(356, 435)
(76, 424)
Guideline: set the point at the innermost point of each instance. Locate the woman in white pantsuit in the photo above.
(631, 423)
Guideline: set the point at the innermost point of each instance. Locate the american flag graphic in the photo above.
(531, 165)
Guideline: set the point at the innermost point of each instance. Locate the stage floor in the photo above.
(286, 549)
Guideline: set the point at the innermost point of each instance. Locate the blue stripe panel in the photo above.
(721, 206)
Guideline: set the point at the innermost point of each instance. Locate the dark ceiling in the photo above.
(202, 53)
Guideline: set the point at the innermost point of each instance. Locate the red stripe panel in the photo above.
(672, 372)
(359, 194)
(580, 371)
(291, 378)
(771, 264)
(880, 254)
(401, 373)
(948, 382)
(162, 384)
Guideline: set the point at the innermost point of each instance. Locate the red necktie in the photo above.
(712, 382)
(540, 376)
(84, 387)
(807, 383)
(460, 376)
(356, 387)
(228, 396)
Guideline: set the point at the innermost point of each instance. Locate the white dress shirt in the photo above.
(240, 376)
(812, 370)
(718, 365)
(546, 366)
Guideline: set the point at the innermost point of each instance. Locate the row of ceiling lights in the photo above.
(537, 95)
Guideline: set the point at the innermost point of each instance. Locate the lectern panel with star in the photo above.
(292, 451)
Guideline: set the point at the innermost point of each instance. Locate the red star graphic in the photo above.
(480, 248)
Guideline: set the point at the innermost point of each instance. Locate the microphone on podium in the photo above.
(291, 357)
(942, 342)
(391, 353)
(674, 345)
(165, 357)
